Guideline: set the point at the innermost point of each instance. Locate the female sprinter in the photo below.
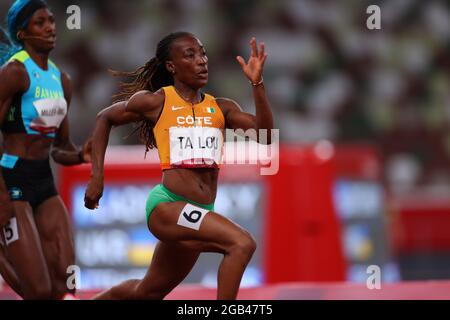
(36, 243)
(178, 119)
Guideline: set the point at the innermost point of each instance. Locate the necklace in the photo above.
(186, 99)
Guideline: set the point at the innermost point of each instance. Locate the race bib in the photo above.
(195, 146)
(10, 231)
(51, 113)
(192, 216)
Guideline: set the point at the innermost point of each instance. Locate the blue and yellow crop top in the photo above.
(41, 109)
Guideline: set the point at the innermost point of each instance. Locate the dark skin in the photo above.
(179, 247)
(35, 265)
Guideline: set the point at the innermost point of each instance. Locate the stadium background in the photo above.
(363, 117)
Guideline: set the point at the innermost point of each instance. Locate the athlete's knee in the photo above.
(243, 245)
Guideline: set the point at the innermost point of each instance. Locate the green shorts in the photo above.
(161, 194)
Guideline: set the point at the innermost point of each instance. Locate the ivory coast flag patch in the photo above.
(210, 110)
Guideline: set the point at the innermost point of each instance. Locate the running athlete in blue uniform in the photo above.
(36, 241)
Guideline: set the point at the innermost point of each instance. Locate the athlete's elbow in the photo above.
(103, 117)
(57, 156)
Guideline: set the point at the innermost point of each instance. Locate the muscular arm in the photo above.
(235, 118)
(143, 105)
(147, 104)
(115, 115)
(64, 151)
(13, 80)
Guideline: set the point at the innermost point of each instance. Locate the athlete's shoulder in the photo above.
(66, 83)
(149, 97)
(21, 56)
(145, 101)
(227, 104)
(54, 66)
(14, 68)
(15, 74)
(66, 79)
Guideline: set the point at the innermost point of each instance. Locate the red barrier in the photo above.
(303, 240)
(420, 224)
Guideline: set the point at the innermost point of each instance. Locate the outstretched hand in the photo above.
(253, 69)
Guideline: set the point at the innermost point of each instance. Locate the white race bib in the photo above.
(10, 231)
(192, 216)
(195, 145)
(51, 113)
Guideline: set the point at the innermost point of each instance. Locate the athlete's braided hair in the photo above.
(152, 76)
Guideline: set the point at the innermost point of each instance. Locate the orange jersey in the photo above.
(189, 136)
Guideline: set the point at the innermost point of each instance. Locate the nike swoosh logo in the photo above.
(177, 108)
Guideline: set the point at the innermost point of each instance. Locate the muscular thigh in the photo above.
(23, 247)
(53, 223)
(209, 232)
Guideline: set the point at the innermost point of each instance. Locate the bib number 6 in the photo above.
(192, 216)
